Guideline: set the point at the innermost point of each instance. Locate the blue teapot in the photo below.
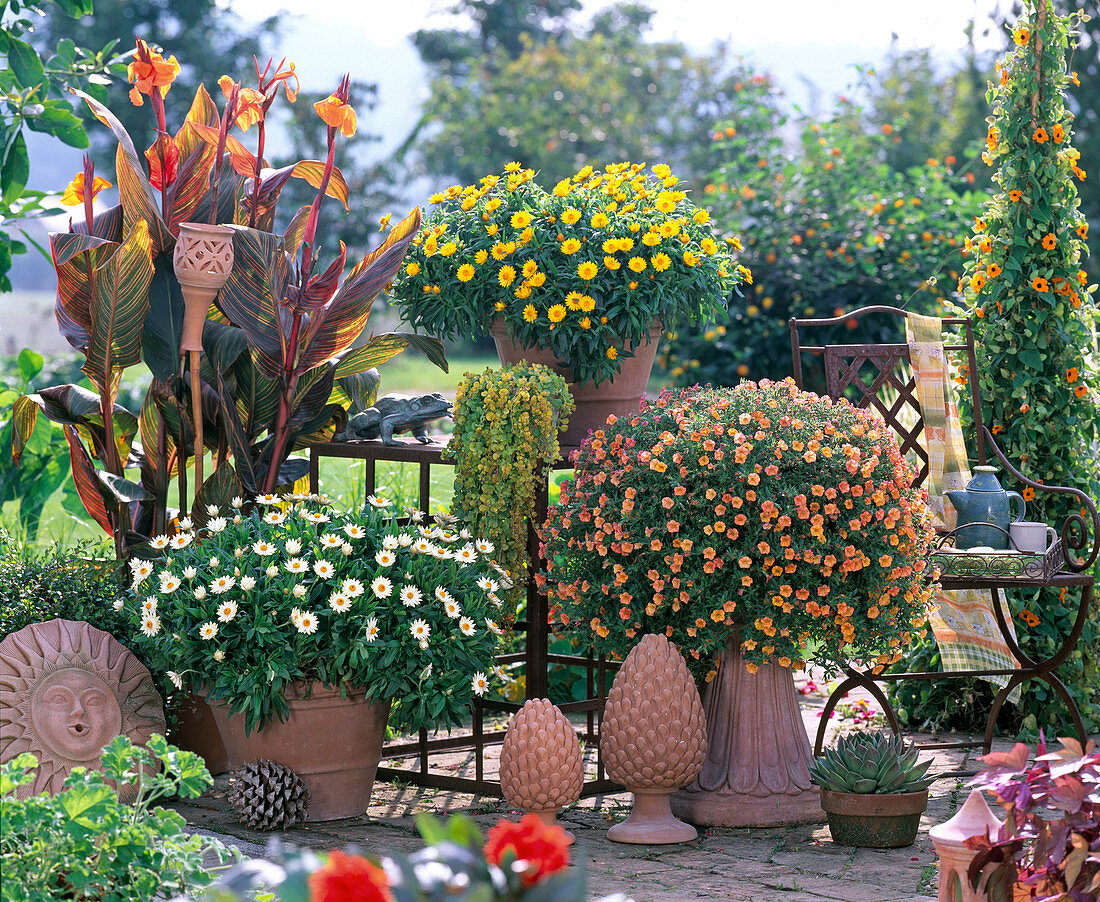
(982, 502)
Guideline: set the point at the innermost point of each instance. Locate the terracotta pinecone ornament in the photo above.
(541, 767)
(653, 739)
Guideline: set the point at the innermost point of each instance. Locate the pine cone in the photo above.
(541, 767)
(653, 732)
(268, 796)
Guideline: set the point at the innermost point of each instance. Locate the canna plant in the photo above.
(278, 370)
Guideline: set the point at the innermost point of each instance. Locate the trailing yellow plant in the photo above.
(506, 425)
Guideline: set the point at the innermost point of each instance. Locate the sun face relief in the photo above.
(75, 714)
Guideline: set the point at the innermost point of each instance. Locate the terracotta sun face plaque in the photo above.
(66, 690)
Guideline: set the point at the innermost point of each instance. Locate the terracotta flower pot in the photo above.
(332, 743)
(874, 821)
(203, 260)
(621, 395)
(197, 731)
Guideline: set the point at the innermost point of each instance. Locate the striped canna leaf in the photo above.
(75, 259)
(250, 297)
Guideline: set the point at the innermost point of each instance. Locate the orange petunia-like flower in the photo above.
(150, 71)
(1082, 231)
(994, 270)
(74, 191)
(337, 113)
(1081, 391)
(1015, 196)
(1040, 284)
(349, 878)
(1040, 136)
(539, 849)
(977, 281)
(1029, 494)
(1072, 374)
(1057, 133)
(1049, 242)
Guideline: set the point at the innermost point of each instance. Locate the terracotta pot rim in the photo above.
(874, 804)
(498, 328)
(206, 227)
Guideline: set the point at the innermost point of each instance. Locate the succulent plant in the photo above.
(871, 763)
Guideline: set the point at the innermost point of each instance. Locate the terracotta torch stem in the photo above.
(196, 414)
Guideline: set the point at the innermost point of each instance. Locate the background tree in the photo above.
(204, 35)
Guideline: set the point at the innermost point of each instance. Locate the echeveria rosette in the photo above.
(786, 515)
(584, 270)
(295, 591)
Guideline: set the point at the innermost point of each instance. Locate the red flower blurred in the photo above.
(349, 878)
(543, 847)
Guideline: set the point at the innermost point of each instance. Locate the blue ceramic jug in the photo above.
(984, 501)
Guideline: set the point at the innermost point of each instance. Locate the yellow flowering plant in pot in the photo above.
(761, 523)
(584, 271)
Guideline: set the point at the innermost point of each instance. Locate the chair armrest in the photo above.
(1076, 528)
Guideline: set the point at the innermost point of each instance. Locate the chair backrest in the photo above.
(878, 377)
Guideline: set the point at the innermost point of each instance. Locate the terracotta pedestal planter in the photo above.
(756, 772)
(595, 403)
(334, 744)
(197, 731)
(874, 821)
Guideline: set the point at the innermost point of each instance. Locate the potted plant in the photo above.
(301, 624)
(872, 764)
(1047, 846)
(760, 523)
(506, 425)
(582, 278)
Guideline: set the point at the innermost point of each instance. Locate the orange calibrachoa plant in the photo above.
(785, 515)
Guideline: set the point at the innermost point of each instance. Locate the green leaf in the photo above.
(86, 805)
(58, 119)
(163, 326)
(30, 364)
(16, 170)
(25, 63)
(87, 482)
(384, 347)
(124, 491)
(76, 257)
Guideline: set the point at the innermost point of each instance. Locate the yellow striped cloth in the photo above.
(963, 623)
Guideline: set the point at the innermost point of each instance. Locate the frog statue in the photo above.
(396, 413)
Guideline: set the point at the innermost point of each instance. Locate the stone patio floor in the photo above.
(762, 865)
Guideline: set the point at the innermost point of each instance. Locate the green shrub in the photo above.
(84, 843)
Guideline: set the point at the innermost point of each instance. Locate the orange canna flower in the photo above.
(74, 191)
(150, 71)
(250, 102)
(337, 113)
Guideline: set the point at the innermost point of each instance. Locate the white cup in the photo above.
(1032, 538)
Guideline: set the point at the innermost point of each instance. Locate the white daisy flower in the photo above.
(499, 672)
(296, 565)
(190, 572)
(493, 628)
(248, 583)
(267, 499)
(372, 629)
(295, 497)
(323, 569)
(274, 518)
(118, 604)
(331, 540)
(293, 546)
(385, 558)
(212, 510)
(467, 626)
(315, 517)
(378, 503)
(420, 630)
(141, 571)
(176, 679)
(237, 520)
(422, 546)
(150, 624)
(307, 623)
(208, 631)
(479, 684)
(299, 591)
(264, 549)
(346, 549)
(159, 541)
(425, 531)
(443, 595)
(295, 615)
(410, 595)
(339, 603)
(149, 606)
(440, 553)
(414, 514)
(168, 583)
(404, 539)
(354, 531)
(237, 503)
(180, 540)
(217, 524)
(389, 543)
(452, 609)
(484, 546)
(186, 523)
(222, 584)
(219, 655)
(227, 610)
(466, 554)
(464, 533)
(200, 593)
(213, 562)
(381, 587)
(352, 588)
(272, 571)
(494, 598)
(486, 584)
